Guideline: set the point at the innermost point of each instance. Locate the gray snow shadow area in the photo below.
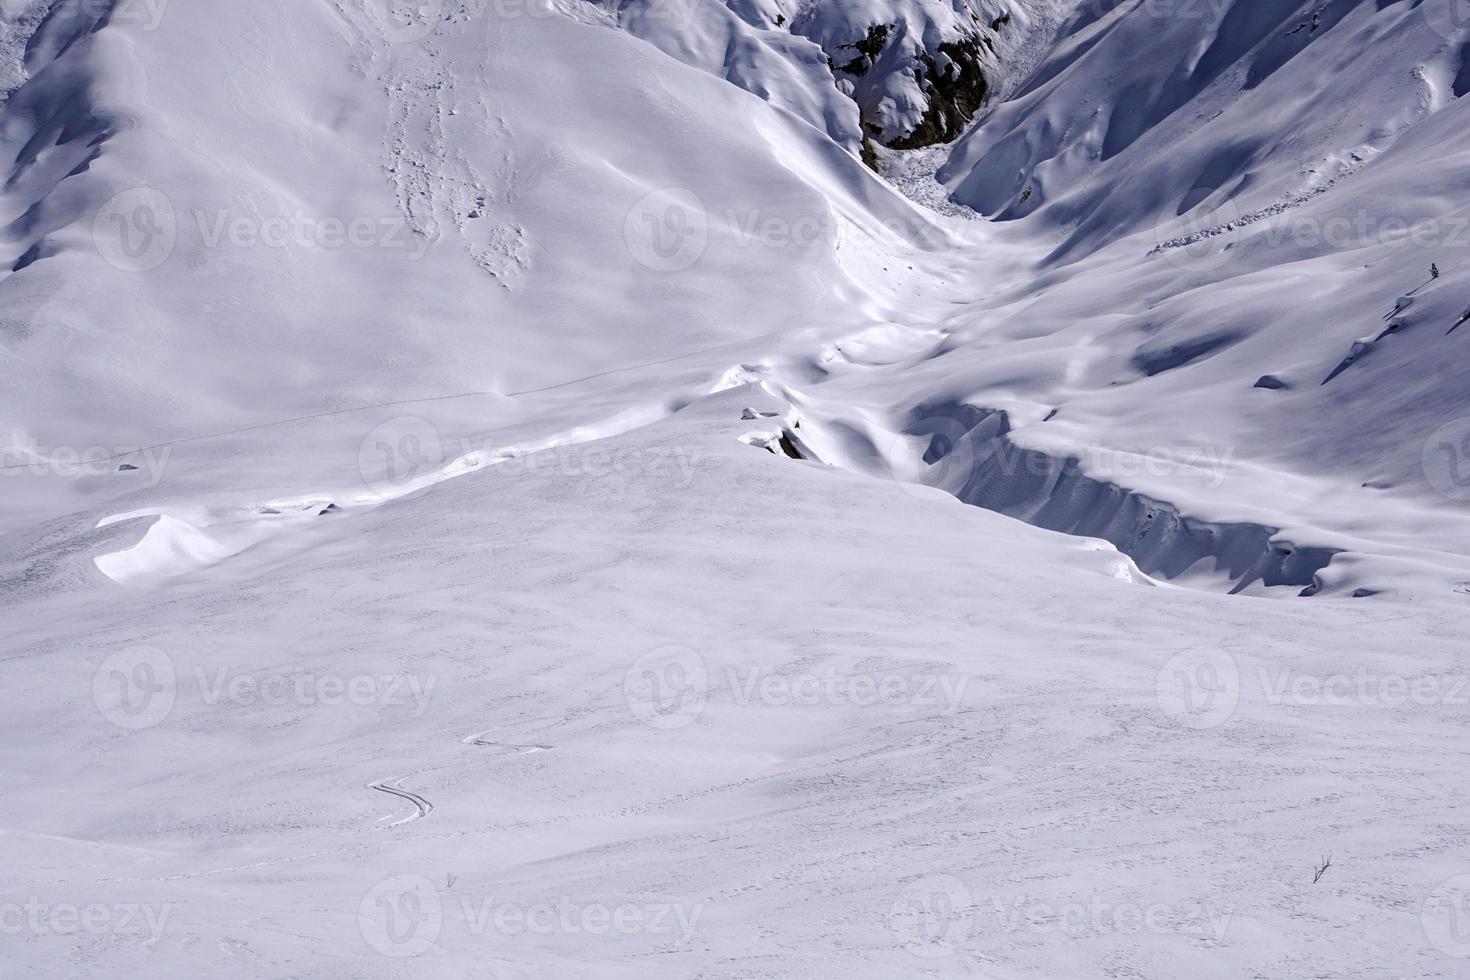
(985, 468)
(968, 452)
(54, 122)
(1153, 361)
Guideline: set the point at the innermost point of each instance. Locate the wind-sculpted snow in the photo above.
(967, 452)
(1103, 142)
(538, 488)
(55, 124)
(356, 221)
(734, 775)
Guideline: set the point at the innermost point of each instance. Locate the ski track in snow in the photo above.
(480, 739)
(394, 787)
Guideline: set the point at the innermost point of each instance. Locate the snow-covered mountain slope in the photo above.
(1228, 231)
(901, 73)
(407, 570)
(277, 241)
(1198, 206)
(641, 677)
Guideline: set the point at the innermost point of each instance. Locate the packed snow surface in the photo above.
(542, 488)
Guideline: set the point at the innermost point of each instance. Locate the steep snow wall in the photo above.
(968, 452)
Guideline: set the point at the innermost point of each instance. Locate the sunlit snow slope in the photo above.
(539, 488)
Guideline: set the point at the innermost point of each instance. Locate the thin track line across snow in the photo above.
(13, 467)
(394, 787)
